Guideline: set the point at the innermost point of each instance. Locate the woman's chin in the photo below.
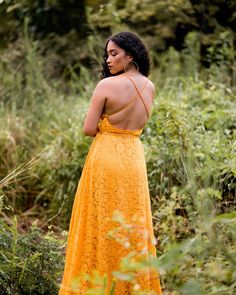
(113, 71)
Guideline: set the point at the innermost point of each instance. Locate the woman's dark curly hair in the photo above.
(133, 46)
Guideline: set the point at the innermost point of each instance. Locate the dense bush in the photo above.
(30, 263)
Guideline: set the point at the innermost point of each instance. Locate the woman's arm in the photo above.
(94, 113)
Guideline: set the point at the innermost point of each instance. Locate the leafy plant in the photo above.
(30, 263)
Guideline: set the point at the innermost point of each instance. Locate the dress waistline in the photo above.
(118, 133)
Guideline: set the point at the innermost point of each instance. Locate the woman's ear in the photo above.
(130, 57)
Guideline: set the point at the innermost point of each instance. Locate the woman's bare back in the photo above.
(126, 106)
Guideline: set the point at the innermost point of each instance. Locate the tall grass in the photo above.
(38, 118)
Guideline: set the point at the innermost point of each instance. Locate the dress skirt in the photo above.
(111, 232)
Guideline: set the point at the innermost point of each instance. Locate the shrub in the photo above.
(30, 263)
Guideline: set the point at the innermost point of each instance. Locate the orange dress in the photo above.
(111, 219)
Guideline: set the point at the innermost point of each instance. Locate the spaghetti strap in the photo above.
(139, 93)
(123, 107)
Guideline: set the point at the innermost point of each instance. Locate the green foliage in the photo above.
(190, 128)
(204, 263)
(164, 23)
(64, 28)
(33, 105)
(30, 263)
(45, 17)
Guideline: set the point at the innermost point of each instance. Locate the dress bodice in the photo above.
(105, 126)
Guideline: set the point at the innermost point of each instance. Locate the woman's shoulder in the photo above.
(106, 86)
(152, 86)
(113, 81)
(105, 82)
(109, 85)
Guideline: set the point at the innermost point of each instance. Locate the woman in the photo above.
(114, 177)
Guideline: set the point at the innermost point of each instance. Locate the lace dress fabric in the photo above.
(114, 178)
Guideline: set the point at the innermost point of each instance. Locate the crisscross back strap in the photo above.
(140, 95)
(123, 107)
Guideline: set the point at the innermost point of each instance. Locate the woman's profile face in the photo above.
(117, 59)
